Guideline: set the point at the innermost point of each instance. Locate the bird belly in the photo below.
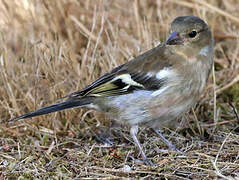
(143, 107)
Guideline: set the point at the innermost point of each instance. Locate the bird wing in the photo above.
(137, 74)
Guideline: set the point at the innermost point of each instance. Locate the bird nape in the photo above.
(156, 87)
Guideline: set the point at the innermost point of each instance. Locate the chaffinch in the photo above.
(154, 88)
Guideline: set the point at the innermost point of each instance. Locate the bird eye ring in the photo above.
(192, 34)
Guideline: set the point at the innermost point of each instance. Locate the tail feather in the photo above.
(71, 103)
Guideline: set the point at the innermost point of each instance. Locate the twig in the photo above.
(51, 147)
(121, 171)
(208, 6)
(214, 97)
(214, 163)
(234, 81)
(87, 33)
(219, 11)
(218, 173)
(186, 4)
(197, 122)
(225, 36)
(234, 110)
(219, 123)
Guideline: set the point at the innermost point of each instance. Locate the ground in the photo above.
(52, 48)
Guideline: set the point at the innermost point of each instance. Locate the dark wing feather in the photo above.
(109, 85)
(129, 77)
(150, 82)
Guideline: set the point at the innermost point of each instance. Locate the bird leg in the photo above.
(169, 144)
(105, 137)
(133, 133)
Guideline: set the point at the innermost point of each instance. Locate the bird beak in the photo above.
(174, 39)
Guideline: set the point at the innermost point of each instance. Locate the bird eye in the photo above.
(192, 34)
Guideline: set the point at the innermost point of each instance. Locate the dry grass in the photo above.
(51, 48)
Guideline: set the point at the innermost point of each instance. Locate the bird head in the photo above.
(189, 34)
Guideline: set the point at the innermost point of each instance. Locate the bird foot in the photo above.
(105, 138)
(144, 161)
(168, 150)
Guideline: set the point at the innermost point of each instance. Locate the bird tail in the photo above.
(70, 103)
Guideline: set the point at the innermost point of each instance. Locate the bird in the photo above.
(153, 89)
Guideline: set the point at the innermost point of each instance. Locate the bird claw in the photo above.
(105, 138)
(148, 162)
(144, 161)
